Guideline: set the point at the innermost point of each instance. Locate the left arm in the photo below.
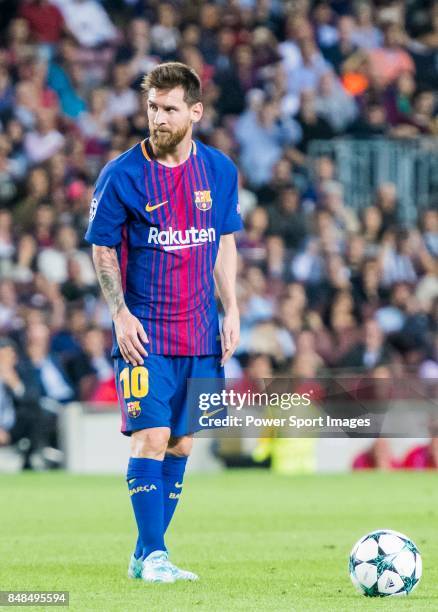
(225, 278)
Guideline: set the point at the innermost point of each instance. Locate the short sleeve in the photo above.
(232, 221)
(107, 211)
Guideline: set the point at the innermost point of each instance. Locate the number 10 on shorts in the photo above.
(135, 382)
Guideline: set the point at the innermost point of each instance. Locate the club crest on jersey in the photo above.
(203, 200)
(133, 409)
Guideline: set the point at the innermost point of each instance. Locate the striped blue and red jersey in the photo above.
(166, 224)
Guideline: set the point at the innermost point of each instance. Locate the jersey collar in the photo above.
(147, 151)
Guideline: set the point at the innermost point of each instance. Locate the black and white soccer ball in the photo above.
(384, 563)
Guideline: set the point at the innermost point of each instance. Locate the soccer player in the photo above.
(161, 225)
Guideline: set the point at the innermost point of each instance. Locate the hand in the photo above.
(314, 321)
(8, 374)
(230, 333)
(9, 377)
(5, 438)
(130, 335)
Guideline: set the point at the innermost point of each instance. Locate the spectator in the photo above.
(7, 247)
(21, 420)
(8, 174)
(423, 114)
(55, 388)
(326, 32)
(332, 199)
(91, 370)
(260, 303)
(377, 457)
(428, 368)
(429, 223)
(306, 75)
(307, 265)
(427, 288)
(26, 104)
(367, 288)
(88, 21)
(371, 352)
(291, 319)
(398, 265)
(136, 52)
(313, 126)
(251, 243)
(46, 97)
(306, 354)
(345, 47)
(386, 201)
(365, 34)
(19, 44)
(43, 225)
(61, 79)
(298, 29)
(247, 198)
(258, 369)
(263, 130)
(276, 258)
(322, 169)
(334, 341)
(399, 100)
(66, 342)
(372, 222)
(372, 123)
(15, 134)
(46, 140)
(388, 62)
(164, 34)
(95, 123)
(422, 457)
(53, 261)
(122, 100)
(284, 175)
(6, 93)
(22, 271)
(9, 306)
(330, 98)
(392, 317)
(46, 23)
(430, 38)
(37, 192)
(269, 338)
(286, 220)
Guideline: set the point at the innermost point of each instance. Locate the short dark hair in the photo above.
(173, 74)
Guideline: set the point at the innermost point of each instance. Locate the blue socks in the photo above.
(148, 501)
(145, 482)
(173, 474)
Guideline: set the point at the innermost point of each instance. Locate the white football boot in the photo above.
(157, 568)
(180, 574)
(135, 567)
(156, 559)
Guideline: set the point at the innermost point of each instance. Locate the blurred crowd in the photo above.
(379, 456)
(320, 285)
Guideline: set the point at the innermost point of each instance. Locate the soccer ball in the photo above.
(385, 562)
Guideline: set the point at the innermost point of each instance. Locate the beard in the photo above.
(165, 141)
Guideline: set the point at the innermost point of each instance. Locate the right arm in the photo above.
(129, 331)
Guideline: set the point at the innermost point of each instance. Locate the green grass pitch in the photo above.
(260, 542)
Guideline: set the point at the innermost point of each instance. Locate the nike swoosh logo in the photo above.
(210, 414)
(150, 208)
(178, 485)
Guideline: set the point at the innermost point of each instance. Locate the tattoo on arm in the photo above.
(108, 272)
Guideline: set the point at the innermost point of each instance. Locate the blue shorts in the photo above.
(155, 394)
